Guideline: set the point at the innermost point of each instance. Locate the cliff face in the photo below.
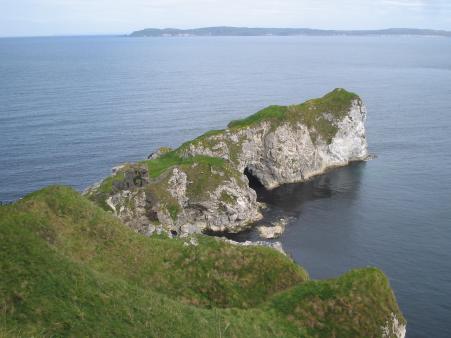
(278, 152)
(201, 185)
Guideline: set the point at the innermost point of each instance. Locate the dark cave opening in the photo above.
(254, 182)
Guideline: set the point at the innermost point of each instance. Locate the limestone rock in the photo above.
(290, 151)
(394, 328)
(202, 187)
(274, 245)
(274, 231)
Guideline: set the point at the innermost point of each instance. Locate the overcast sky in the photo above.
(69, 17)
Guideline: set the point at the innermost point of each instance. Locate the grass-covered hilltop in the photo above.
(202, 185)
(71, 269)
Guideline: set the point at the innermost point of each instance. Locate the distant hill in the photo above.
(245, 31)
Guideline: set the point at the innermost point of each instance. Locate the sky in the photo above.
(80, 17)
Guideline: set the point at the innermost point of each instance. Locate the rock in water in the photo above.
(201, 186)
(274, 231)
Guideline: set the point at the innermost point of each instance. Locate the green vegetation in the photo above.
(71, 269)
(81, 271)
(110, 185)
(195, 167)
(174, 210)
(317, 114)
(227, 198)
(101, 194)
(271, 113)
(164, 150)
(207, 140)
(355, 296)
(158, 166)
(204, 175)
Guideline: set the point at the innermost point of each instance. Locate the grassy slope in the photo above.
(335, 103)
(44, 293)
(211, 274)
(69, 268)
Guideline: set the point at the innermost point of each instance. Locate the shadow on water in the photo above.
(288, 200)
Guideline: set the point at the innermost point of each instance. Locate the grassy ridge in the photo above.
(71, 269)
(77, 228)
(271, 113)
(335, 104)
(158, 166)
(45, 294)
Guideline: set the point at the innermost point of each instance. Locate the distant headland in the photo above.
(245, 31)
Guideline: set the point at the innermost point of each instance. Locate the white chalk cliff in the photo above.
(201, 186)
(287, 153)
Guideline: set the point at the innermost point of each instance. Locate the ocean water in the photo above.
(71, 108)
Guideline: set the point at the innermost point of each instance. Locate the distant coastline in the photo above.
(245, 31)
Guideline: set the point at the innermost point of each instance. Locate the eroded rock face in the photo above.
(394, 328)
(182, 203)
(130, 207)
(274, 231)
(226, 204)
(289, 153)
(201, 186)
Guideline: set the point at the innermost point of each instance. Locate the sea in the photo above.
(73, 107)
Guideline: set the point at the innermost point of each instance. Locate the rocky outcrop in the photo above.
(222, 202)
(201, 186)
(394, 328)
(274, 245)
(273, 231)
(278, 152)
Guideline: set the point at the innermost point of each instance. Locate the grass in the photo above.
(203, 137)
(194, 167)
(71, 269)
(204, 175)
(311, 113)
(79, 229)
(101, 194)
(357, 296)
(168, 160)
(271, 113)
(158, 166)
(174, 210)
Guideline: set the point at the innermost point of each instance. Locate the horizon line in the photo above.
(222, 26)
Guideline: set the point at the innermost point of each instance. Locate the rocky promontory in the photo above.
(203, 185)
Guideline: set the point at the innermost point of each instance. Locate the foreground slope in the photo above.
(68, 268)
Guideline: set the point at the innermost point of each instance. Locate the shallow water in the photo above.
(71, 108)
